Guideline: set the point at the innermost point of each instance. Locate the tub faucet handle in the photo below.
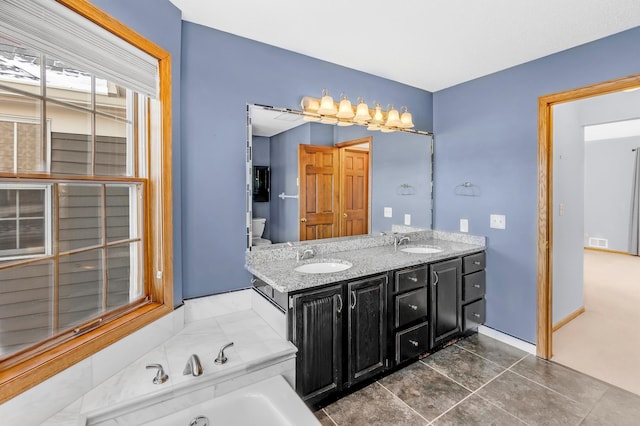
(161, 376)
(193, 367)
(221, 357)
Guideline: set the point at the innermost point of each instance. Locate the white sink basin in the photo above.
(324, 267)
(422, 249)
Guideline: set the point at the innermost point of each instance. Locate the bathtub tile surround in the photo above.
(201, 326)
(517, 389)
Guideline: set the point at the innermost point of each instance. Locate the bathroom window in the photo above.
(85, 199)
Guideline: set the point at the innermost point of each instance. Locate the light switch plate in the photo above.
(498, 221)
(407, 219)
(388, 212)
(464, 225)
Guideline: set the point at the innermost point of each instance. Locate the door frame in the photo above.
(544, 347)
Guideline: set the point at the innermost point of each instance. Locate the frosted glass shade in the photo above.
(393, 118)
(345, 110)
(362, 113)
(327, 107)
(406, 120)
(378, 118)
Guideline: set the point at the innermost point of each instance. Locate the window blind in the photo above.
(49, 27)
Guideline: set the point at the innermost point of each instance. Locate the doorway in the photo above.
(334, 189)
(545, 198)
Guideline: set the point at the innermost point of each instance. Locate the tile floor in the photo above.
(480, 381)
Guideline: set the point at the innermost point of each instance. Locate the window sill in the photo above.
(27, 374)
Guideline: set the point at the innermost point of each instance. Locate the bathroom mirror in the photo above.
(353, 181)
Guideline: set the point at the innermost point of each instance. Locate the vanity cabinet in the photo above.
(410, 314)
(473, 290)
(317, 333)
(341, 335)
(367, 325)
(445, 295)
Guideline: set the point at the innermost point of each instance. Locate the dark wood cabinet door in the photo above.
(367, 325)
(318, 335)
(445, 299)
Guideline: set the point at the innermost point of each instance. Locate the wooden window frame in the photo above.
(158, 241)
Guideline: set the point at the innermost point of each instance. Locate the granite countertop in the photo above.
(281, 274)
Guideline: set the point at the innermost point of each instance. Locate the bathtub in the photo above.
(270, 402)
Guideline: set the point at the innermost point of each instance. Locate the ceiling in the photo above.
(428, 44)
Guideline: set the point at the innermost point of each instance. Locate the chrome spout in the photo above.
(193, 367)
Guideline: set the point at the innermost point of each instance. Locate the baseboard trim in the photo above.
(509, 340)
(557, 326)
(608, 251)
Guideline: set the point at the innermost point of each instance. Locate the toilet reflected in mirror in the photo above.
(257, 229)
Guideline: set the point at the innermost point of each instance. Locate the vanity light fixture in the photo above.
(344, 113)
(327, 107)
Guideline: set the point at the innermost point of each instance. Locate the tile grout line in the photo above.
(443, 374)
(408, 406)
(330, 418)
(487, 359)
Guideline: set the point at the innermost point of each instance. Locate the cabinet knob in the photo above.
(476, 285)
(476, 315)
(414, 307)
(476, 262)
(414, 343)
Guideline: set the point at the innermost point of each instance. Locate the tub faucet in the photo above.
(193, 367)
(161, 376)
(397, 241)
(221, 357)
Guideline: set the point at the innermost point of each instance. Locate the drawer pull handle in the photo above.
(353, 299)
(435, 278)
(414, 343)
(414, 279)
(476, 285)
(476, 315)
(476, 262)
(340, 303)
(414, 307)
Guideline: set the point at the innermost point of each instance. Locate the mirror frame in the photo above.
(249, 169)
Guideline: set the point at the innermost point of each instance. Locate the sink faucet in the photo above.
(193, 367)
(397, 241)
(306, 254)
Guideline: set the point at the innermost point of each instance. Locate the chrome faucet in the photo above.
(397, 241)
(306, 254)
(193, 367)
(221, 357)
(161, 376)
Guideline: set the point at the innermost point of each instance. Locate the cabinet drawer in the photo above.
(412, 342)
(473, 286)
(473, 314)
(409, 279)
(411, 306)
(473, 263)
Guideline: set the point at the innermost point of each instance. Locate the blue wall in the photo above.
(221, 73)
(486, 133)
(161, 22)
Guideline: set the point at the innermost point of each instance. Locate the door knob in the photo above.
(344, 215)
(303, 220)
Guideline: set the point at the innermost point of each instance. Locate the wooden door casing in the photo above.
(319, 192)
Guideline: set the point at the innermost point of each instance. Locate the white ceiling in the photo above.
(429, 44)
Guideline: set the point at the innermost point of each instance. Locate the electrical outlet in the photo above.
(407, 219)
(388, 212)
(498, 221)
(464, 225)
